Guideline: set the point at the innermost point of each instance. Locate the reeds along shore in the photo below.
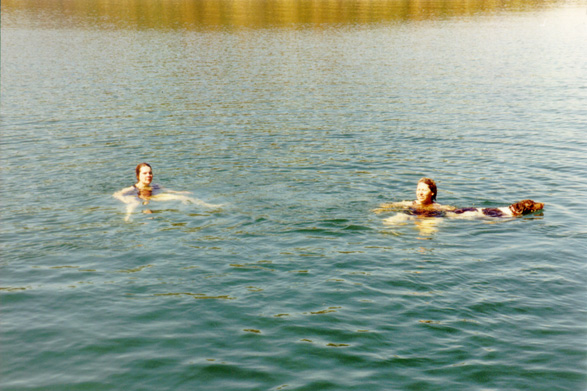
(197, 14)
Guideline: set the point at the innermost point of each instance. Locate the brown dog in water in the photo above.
(517, 209)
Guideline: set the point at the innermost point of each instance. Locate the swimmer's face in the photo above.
(146, 175)
(424, 194)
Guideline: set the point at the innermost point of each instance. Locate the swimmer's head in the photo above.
(144, 173)
(138, 169)
(431, 185)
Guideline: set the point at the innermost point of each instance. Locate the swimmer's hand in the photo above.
(379, 210)
(202, 203)
(177, 192)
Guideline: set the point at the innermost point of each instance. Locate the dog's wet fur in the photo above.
(520, 208)
(526, 206)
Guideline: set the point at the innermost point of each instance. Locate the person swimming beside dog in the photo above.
(424, 205)
(145, 191)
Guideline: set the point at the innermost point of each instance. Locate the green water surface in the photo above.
(300, 117)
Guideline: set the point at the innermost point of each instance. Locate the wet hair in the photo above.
(526, 206)
(138, 169)
(432, 185)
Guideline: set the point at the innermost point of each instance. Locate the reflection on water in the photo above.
(426, 226)
(222, 14)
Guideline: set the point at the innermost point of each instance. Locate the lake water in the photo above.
(301, 117)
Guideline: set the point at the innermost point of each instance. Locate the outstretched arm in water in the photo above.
(126, 195)
(392, 206)
(183, 198)
(130, 208)
(129, 197)
(401, 206)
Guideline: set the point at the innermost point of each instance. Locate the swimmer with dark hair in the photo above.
(145, 191)
(424, 205)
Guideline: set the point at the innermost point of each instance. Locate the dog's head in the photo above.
(526, 206)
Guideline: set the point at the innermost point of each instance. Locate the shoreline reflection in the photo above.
(254, 14)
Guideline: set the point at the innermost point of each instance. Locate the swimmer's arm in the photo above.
(446, 208)
(177, 192)
(184, 199)
(126, 195)
(392, 206)
(202, 203)
(130, 207)
(158, 189)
